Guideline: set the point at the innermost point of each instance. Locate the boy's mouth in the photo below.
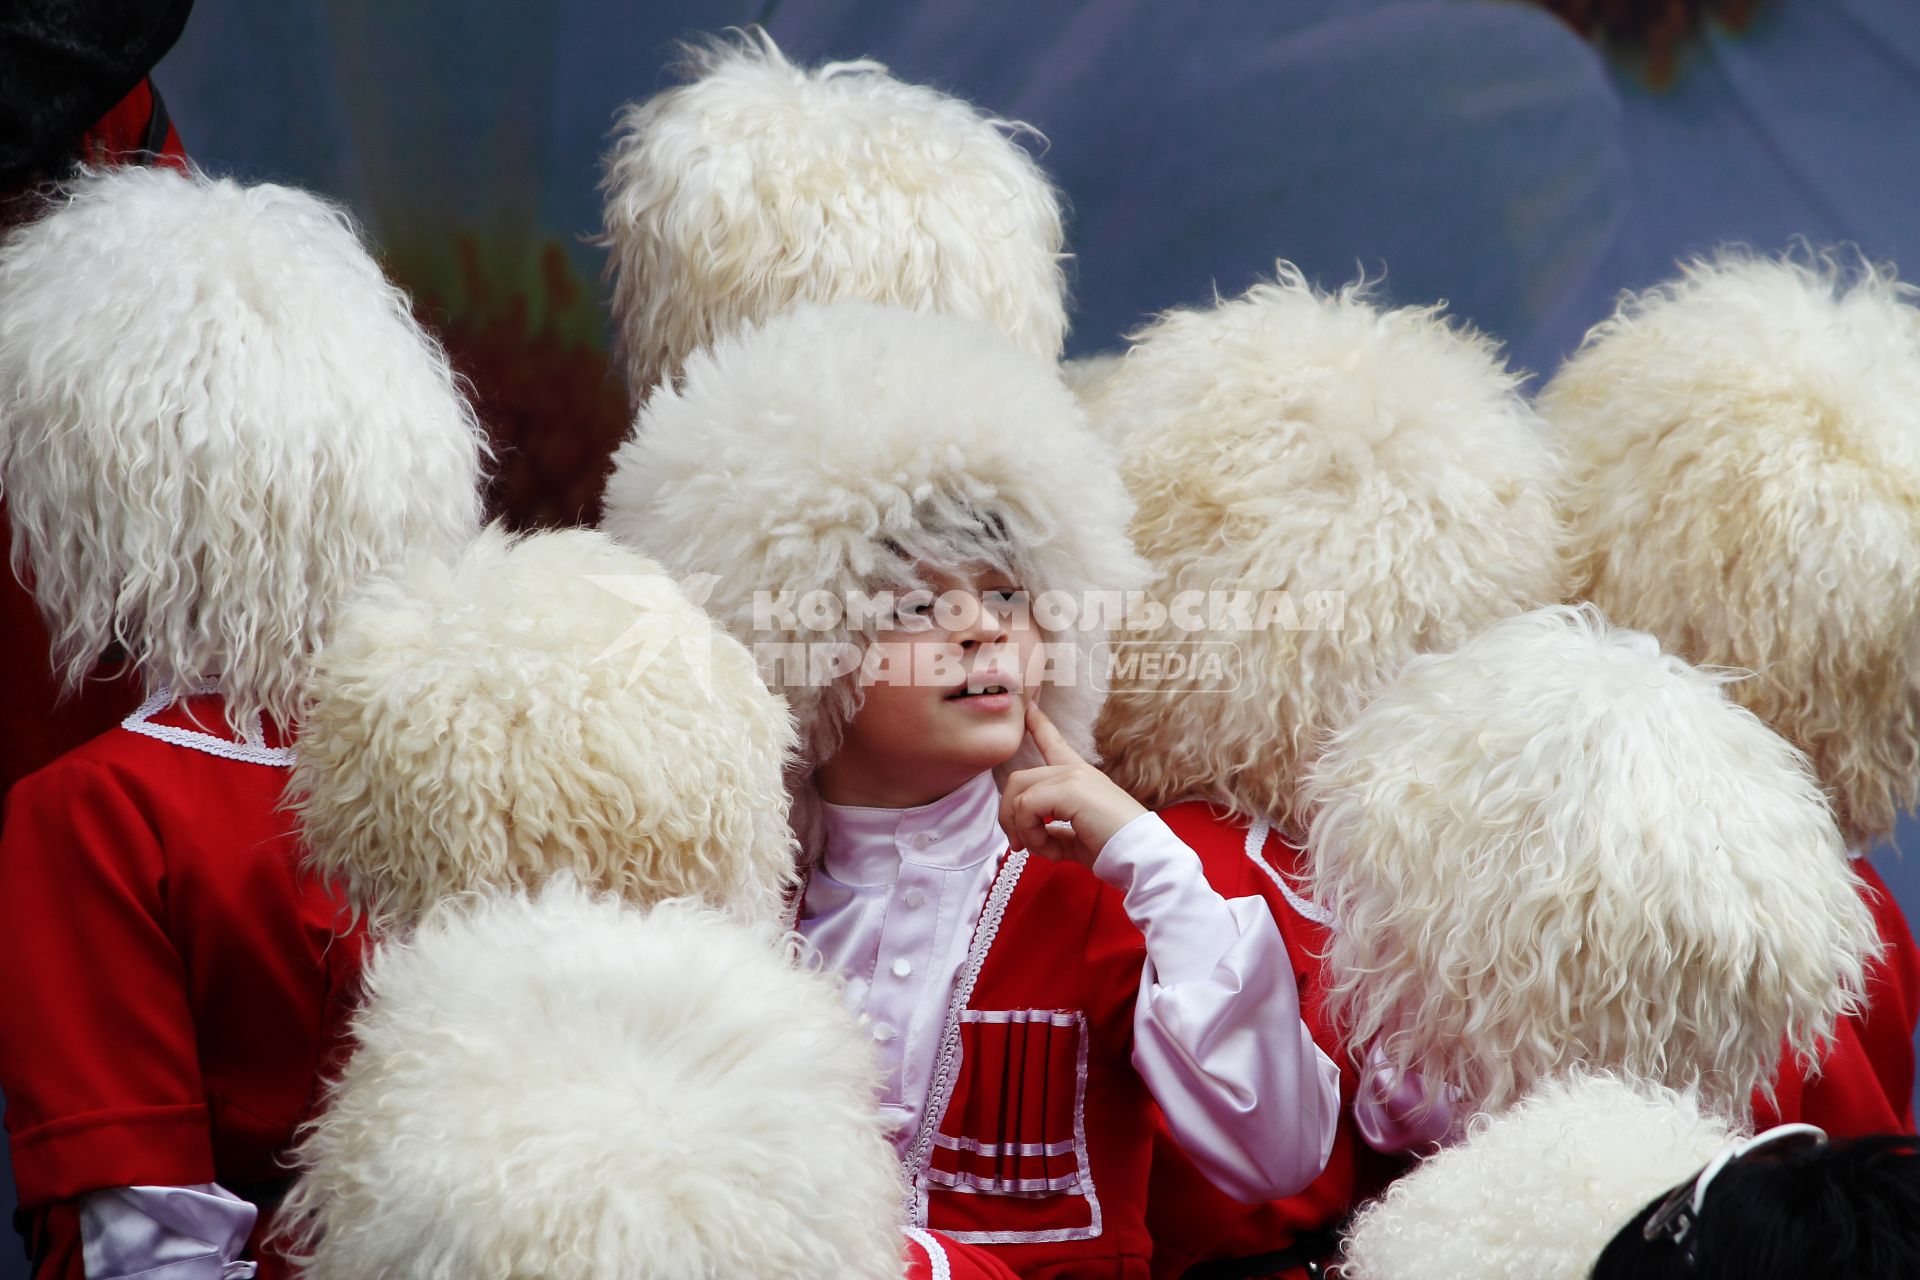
(985, 684)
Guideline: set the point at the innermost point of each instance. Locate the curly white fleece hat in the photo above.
(828, 449)
(1369, 479)
(541, 705)
(219, 420)
(760, 184)
(1558, 846)
(1745, 445)
(568, 1087)
(1535, 1192)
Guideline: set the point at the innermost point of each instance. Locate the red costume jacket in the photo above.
(1038, 1131)
(1190, 1220)
(1864, 1081)
(1843, 1096)
(1893, 999)
(174, 982)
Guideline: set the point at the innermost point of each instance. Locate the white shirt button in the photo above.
(902, 967)
(922, 839)
(915, 897)
(883, 1032)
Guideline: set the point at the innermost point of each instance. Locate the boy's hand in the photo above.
(1065, 789)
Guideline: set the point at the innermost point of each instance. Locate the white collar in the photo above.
(865, 846)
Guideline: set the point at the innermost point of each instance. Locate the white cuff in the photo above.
(165, 1233)
(1396, 1112)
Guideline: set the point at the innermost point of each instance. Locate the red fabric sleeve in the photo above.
(53, 1242)
(1843, 1096)
(1893, 997)
(97, 1048)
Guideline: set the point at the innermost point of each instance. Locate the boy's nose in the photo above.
(984, 626)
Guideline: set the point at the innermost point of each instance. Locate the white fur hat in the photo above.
(552, 704)
(1536, 1193)
(760, 184)
(1558, 845)
(1746, 486)
(832, 446)
(219, 419)
(573, 1089)
(1084, 375)
(1371, 476)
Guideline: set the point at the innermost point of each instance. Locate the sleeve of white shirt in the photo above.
(165, 1233)
(1217, 1033)
(1396, 1112)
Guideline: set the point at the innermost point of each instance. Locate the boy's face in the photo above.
(931, 719)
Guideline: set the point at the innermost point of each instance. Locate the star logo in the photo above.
(662, 625)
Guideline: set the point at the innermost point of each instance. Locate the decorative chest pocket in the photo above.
(1014, 1131)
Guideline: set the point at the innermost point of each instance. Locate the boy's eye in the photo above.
(1004, 599)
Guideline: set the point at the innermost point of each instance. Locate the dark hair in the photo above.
(952, 534)
(1846, 1210)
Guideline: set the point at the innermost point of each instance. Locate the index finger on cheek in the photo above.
(1054, 748)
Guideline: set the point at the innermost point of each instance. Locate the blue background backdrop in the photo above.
(1478, 151)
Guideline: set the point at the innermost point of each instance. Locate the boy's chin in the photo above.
(985, 749)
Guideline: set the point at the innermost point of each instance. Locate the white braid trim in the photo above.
(251, 749)
(1305, 906)
(936, 1253)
